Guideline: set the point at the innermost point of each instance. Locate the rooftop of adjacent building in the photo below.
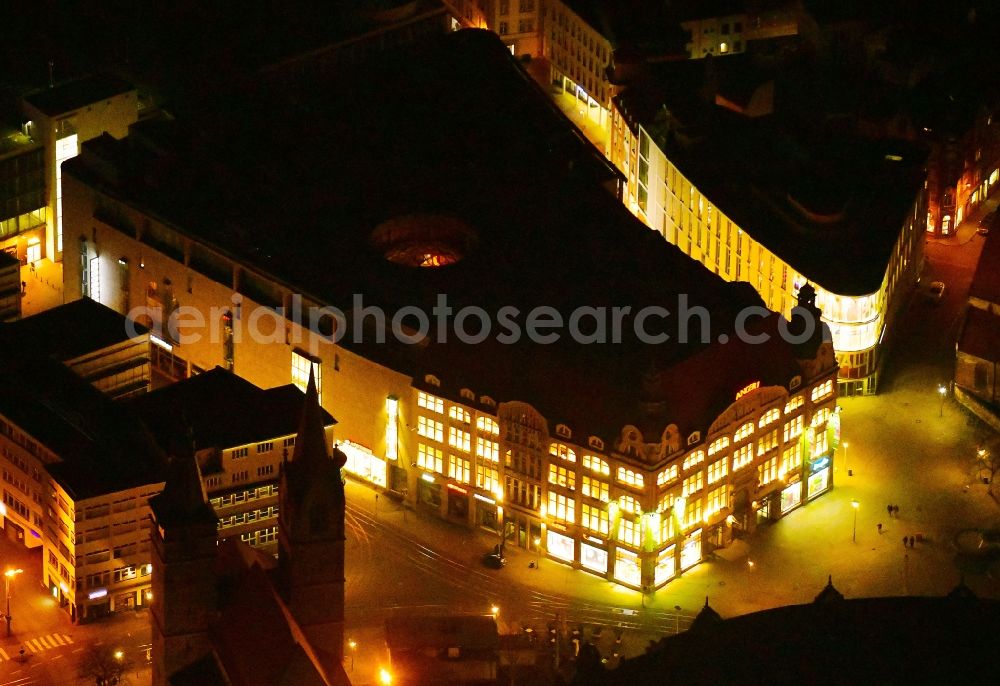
(70, 331)
(474, 165)
(650, 25)
(101, 447)
(986, 279)
(72, 95)
(13, 141)
(218, 409)
(829, 641)
(827, 201)
(980, 335)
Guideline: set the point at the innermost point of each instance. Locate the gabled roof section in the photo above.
(69, 331)
(222, 410)
(72, 95)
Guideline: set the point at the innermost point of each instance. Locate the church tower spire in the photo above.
(311, 534)
(183, 534)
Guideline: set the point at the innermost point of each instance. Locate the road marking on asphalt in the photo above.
(45, 644)
(69, 639)
(4, 654)
(57, 639)
(30, 645)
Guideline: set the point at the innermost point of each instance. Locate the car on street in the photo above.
(936, 291)
(494, 560)
(986, 222)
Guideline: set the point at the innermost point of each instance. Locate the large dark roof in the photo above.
(762, 171)
(980, 335)
(482, 146)
(73, 95)
(986, 281)
(218, 409)
(68, 331)
(896, 640)
(103, 447)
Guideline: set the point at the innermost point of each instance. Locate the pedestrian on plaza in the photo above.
(880, 527)
(912, 541)
(24, 287)
(888, 508)
(905, 541)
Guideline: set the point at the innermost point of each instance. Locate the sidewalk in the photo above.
(967, 230)
(44, 287)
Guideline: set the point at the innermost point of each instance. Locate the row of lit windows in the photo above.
(561, 476)
(459, 469)
(593, 488)
(430, 458)
(822, 391)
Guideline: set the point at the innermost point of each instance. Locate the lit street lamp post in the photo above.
(941, 391)
(854, 533)
(538, 551)
(846, 444)
(353, 645)
(8, 577)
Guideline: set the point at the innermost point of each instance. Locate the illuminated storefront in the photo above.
(594, 559)
(791, 496)
(560, 546)
(691, 552)
(819, 482)
(628, 569)
(666, 565)
(361, 462)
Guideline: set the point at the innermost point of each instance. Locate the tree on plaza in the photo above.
(987, 464)
(106, 666)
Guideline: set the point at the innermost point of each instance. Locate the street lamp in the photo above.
(854, 533)
(384, 677)
(119, 655)
(8, 576)
(353, 645)
(846, 445)
(538, 551)
(941, 391)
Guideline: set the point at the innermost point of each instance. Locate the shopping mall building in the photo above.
(607, 433)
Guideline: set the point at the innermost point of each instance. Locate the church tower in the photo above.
(311, 535)
(183, 536)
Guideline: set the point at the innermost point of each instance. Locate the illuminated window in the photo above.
(769, 417)
(561, 507)
(768, 472)
(428, 428)
(667, 475)
(430, 402)
(630, 478)
(717, 445)
(458, 469)
(562, 451)
(791, 459)
(595, 518)
(767, 442)
(459, 414)
(667, 533)
(561, 476)
(743, 457)
(715, 501)
(459, 439)
(820, 443)
(629, 504)
(743, 432)
(488, 425)
(596, 464)
(300, 371)
(792, 429)
(695, 458)
(487, 449)
(823, 390)
(692, 484)
(692, 514)
(718, 469)
(593, 488)
(431, 459)
(487, 478)
(629, 532)
(821, 416)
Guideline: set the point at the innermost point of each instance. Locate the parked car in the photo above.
(986, 222)
(494, 560)
(936, 291)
